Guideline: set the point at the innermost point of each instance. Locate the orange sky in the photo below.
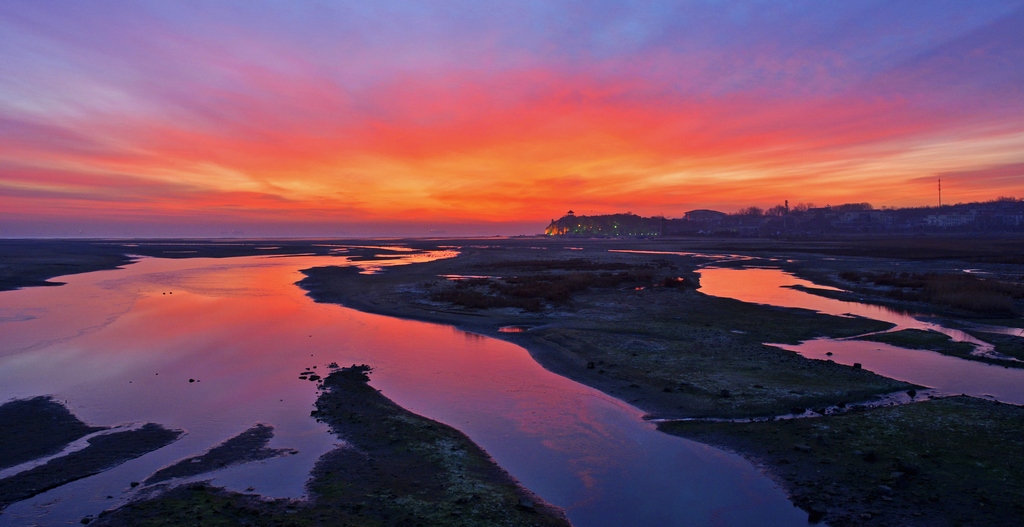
(398, 119)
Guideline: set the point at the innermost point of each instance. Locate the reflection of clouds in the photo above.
(775, 287)
(20, 315)
(586, 450)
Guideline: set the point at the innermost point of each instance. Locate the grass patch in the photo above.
(923, 340)
(944, 462)
(1008, 345)
(937, 342)
(537, 291)
(961, 291)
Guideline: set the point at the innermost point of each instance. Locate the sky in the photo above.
(334, 118)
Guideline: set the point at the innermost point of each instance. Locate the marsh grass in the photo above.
(536, 291)
(959, 291)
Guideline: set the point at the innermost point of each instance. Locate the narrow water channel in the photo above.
(944, 373)
(120, 347)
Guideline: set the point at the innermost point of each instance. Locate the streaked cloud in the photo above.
(354, 113)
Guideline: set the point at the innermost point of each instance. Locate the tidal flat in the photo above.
(653, 339)
(628, 317)
(396, 468)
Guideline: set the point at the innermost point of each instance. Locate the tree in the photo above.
(751, 211)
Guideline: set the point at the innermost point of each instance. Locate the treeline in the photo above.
(1005, 214)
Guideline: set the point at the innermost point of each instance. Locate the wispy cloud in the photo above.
(465, 111)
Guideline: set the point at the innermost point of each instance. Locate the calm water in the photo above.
(119, 346)
(944, 373)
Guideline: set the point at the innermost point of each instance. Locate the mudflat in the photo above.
(634, 325)
(396, 468)
(102, 453)
(35, 428)
(651, 339)
(627, 317)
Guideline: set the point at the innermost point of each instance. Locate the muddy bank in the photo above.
(1009, 346)
(396, 468)
(250, 445)
(104, 452)
(32, 263)
(35, 428)
(675, 352)
(653, 341)
(941, 462)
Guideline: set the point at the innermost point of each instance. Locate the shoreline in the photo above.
(627, 342)
(395, 468)
(388, 294)
(840, 498)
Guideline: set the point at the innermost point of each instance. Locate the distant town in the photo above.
(1003, 215)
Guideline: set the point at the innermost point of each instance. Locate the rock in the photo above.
(725, 394)
(797, 411)
(134, 484)
(816, 512)
(86, 521)
(871, 456)
(191, 380)
(590, 365)
(526, 504)
(908, 468)
(912, 393)
(802, 448)
(667, 390)
(857, 366)
(865, 516)
(885, 489)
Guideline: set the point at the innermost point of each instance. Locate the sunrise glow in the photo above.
(328, 118)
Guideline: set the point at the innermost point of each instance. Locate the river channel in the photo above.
(946, 374)
(119, 347)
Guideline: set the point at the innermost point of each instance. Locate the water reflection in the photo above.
(944, 373)
(776, 287)
(120, 346)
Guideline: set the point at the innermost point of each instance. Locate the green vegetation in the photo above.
(943, 462)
